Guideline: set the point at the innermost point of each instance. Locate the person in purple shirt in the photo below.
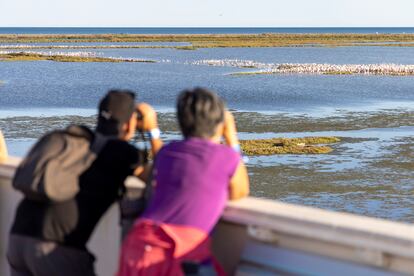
(194, 179)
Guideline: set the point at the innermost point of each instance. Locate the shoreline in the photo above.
(63, 57)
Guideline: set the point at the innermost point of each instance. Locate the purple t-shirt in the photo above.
(193, 179)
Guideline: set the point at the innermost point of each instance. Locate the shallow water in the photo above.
(371, 171)
(366, 173)
(54, 85)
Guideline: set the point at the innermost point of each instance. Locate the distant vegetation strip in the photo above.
(77, 47)
(32, 56)
(228, 40)
(306, 145)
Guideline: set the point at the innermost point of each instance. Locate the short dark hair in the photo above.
(199, 111)
(115, 109)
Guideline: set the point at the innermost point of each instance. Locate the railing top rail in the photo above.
(337, 227)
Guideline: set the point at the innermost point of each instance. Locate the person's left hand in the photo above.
(149, 117)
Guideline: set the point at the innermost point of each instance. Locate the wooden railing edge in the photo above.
(329, 226)
(342, 228)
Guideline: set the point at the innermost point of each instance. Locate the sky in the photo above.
(206, 13)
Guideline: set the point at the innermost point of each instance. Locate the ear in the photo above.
(129, 128)
(125, 130)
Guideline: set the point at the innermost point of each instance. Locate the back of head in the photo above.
(115, 109)
(199, 112)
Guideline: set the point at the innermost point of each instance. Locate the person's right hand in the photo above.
(149, 117)
(3, 148)
(230, 131)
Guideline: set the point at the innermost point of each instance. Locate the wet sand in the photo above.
(249, 122)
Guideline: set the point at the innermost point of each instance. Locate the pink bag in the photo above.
(160, 249)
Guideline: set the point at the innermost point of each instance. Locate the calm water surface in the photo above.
(370, 172)
(61, 85)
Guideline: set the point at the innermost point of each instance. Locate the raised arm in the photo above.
(239, 183)
(148, 123)
(3, 148)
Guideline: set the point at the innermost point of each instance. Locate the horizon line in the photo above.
(207, 27)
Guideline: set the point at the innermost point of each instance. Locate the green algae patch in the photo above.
(186, 48)
(22, 56)
(338, 73)
(306, 145)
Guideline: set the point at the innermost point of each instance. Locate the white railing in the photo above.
(256, 236)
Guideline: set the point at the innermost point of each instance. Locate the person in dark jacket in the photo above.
(50, 238)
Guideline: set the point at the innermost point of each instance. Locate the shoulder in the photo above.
(206, 145)
(119, 145)
(229, 158)
(220, 148)
(229, 152)
(172, 146)
(120, 151)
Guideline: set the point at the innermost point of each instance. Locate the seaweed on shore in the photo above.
(23, 56)
(186, 48)
(306, 145)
